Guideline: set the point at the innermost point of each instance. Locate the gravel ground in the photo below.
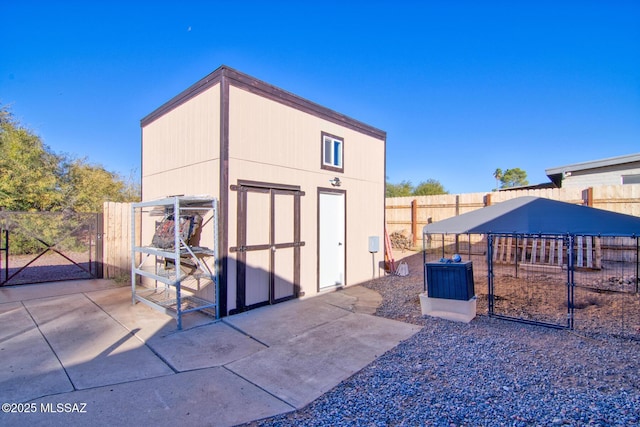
(486, 373)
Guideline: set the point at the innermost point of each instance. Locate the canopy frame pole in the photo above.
(490, 272)
(637, 261)
(570, 281)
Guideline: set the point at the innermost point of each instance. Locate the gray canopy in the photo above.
(536, 215)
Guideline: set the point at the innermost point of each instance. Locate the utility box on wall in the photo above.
(374, 244)
(450, 280)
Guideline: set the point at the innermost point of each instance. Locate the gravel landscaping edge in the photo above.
(488, 372)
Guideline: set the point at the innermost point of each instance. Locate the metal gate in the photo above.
(38, 247)
(586, 283)
(531, 279)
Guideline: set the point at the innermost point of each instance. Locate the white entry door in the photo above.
(331, 237)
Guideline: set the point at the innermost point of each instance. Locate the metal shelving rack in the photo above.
(178, 271)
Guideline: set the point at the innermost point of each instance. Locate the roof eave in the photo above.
(611, 161)
(267, 90)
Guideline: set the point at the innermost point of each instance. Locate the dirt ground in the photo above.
(48, 267)
(605, 301)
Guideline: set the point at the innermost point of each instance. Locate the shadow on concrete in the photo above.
(85, 343)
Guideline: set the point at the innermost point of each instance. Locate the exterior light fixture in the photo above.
(335, 182)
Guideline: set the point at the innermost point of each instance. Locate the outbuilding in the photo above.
(300, 187)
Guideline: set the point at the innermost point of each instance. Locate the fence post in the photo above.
(457, 250)
(414, 222)
(589, 197)
(490, 272)
(99, 245)
(4, 247)
(570, 281)
(637, 262)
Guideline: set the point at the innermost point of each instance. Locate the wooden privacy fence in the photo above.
(410, 214)
(549, 251)
(117, 239)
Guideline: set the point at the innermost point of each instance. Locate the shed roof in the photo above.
(536, 215)
(251, 84)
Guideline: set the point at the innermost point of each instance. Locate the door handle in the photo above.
(339, 243)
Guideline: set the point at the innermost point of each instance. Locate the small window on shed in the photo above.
(332, 152)
(631, 179)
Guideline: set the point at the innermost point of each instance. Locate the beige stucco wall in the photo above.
(181, 152)
(181, 149)
(274, 143)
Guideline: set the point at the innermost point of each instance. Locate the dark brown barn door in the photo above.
(268, 246)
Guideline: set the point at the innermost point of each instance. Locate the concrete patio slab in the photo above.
(281, 322)
(356, 299)
(141, 319)
(93, 348)
(203, 343)
(211, 397)
(130, 365)
(53, 289)
(29, 368)
(204, 347)
(303, 368)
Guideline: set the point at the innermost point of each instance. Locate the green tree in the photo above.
(33, 178)
(131, 191)
(515, 177)
(403, 189)
(406, 189)
(88, 186)
(29, 171)
(429, 187)
(498, 176)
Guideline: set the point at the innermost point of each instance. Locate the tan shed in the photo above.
(301, 187)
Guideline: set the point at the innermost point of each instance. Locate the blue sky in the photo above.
(460, 87)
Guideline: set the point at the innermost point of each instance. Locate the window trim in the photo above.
(326, 166)
(633, 178)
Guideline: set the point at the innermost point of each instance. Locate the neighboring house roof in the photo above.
(556, 174)
(536, 215)
(530, 187)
